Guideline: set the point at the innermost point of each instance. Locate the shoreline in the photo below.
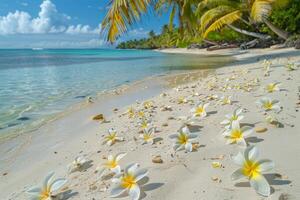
(85, 139)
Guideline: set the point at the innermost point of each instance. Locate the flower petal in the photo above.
(247, 130)
(188, 147)
(261, 185)
(117, 191)
(251, 153)
(173, 136)
(238, 159)
(116, 169)
(131, 168)
(140, 174)
(48, 179)
(134, 192)
(57, 184)
(266, 165)
(34, 191)
(119, 156)
(237, 175)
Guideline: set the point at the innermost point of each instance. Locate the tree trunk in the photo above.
(281, 33)
(253, 34)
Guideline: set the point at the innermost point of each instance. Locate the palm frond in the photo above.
(261, 9)
(221, 22)
(121, 15)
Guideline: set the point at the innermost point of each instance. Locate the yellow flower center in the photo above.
(199, 111)
(268, 105)
(111, 136)
(144, 125)
(128, 181)
(236, 134)
(234, 117)
(182, 138)
(147, 137)
(271, 87)
(45, 194)
(251, 169)
(111, 164)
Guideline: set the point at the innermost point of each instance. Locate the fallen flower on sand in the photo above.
(144, 123)
(183, 139)
(236, 135)
(46, 192)
(182, 100)
(200, 110)
(188, 121)
(128, 182)
(235, 116)
(112, 137)
(130, 112)
(291, 67)
(252, 168)
(272, 87)
(112, 164)
(77, 164)
(225, 100)
(148, 104)
(147, 135)
(268, 104)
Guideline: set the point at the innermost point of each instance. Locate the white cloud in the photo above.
(140, 32)
(49, 20)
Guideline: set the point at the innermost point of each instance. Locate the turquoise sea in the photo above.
(38, 84)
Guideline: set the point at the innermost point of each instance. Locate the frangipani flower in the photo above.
(128, 182)
(112, 137)
(77, 164)
(212, 97)
(131, 112)
(147, 135)
(268, 104)
(272, 87)
(183, 139)
(182, 100)
(144, 123)
(291, 67)
(226, 100)
(200, 110)
(236, 135)
(148, 104)
(252, 169)
(46, 192)
(235, 116)
(141, 114)
(187, 121)
(112, 164)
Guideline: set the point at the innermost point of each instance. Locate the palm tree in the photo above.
(225, 12)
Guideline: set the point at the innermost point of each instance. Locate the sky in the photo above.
(63, 24)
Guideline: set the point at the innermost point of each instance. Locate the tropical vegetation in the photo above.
(204, 21)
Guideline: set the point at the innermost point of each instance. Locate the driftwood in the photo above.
(219, 47)
(249, 45)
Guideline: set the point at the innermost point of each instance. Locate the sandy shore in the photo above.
(181, 175)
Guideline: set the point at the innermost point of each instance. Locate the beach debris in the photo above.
(252, 169)
(163, 95)
(130, 112)
(235, 116)
(266, 66)
(268, 104)
(148, 104)
(216, 164)
(182, 100)
(166, 108)
(212, 97)
(147, 135)
(183, 139)
(199, 110)
(236, 135)
(115, 109)
(273, 120)
(128, 182)
(165, 124)
(77, 164)
(49, 188)
(188, 120)
(100, 118)
(112, 137)
(90, 100)
(157, 159)
(260, 129)
(216, 179)
(111, 165)
(272, 87)
(220, 157)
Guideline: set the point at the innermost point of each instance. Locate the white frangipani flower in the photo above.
(46, 192)
(147, 135)
(182, 100)
(291, 67)
(144, 123)
(236, 135)
(112, 137)
(235, 116)
(128, 182)
(188, 120)
(272, 87)
(268, 104)
(112, 164)
(200, 110)
(252, 169)
(225, 100)
(183, 139)
(77, 164)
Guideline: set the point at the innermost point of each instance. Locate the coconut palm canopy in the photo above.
(196, 18)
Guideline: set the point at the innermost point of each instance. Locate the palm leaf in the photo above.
(261, 9)
(221, 22)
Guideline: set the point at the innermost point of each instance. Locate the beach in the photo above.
(28, 158)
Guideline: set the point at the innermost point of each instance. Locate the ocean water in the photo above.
(38, 84)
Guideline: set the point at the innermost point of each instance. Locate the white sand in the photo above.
(183, 176)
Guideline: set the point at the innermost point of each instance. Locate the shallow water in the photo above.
(37, 85)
